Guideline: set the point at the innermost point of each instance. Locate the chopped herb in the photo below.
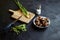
(19, 28)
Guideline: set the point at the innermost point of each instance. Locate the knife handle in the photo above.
(8, 26)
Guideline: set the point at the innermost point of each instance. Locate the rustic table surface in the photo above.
(50, 8)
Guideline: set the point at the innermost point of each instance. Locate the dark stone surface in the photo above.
(50, 8)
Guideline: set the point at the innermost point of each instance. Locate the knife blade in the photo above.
(10, 24)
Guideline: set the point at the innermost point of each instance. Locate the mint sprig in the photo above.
(19, 28)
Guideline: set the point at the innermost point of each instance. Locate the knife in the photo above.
(10, 24)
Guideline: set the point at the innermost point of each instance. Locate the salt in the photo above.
(39, 10)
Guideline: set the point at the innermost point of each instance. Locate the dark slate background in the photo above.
(50, 8)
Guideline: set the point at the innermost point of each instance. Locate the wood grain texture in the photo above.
(18, 13)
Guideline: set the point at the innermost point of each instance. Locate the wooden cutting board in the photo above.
(18, 13)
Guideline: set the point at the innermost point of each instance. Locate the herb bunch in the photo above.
(24, 11)
(19, 28)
